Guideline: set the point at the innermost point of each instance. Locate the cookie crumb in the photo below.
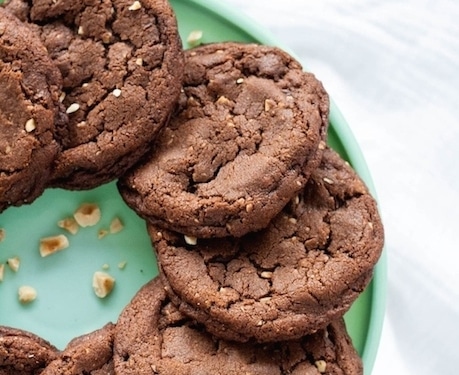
(105, 266)
(2, 271)
(321, 365)
(102, 284)
(135, 5)
(53, 244)
(190, 240)
(87, 215)
(14, 263)
(194, 38)
(122, 265)
(27, 294)
(69, 224)
(72, 108)
(30, 125)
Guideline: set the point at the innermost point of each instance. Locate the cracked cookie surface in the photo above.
(23, 353)
(288, 280)
(122, 66)
(29, 108)
(89, 354)
(249, 129)
(153, 337)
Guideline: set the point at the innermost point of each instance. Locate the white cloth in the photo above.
(392, 67)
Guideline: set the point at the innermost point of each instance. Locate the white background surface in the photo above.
(392, 67)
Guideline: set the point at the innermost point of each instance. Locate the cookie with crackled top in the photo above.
(30, 86)
(89, 354)
(290, 279)
(153, 337)
(23, 353)
(249, 129)
(122, 67)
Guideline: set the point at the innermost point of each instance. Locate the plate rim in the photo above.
(378, 284)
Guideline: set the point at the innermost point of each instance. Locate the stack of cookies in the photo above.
(264, 236)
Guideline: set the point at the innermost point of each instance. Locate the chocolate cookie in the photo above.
(304, 270)
(90, 354)
(29, 108)
(122, 66)
(249, 129)
(23, 353)
(153, 337)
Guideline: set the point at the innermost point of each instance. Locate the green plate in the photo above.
(66, 305)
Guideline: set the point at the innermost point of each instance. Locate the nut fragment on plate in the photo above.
(50, 245)
(27, 294)
(14, 263)
(2, 234)
(102, 283)
(116, 225)
(194, 38)
(87, 215)
(2, 271)
(69, 224)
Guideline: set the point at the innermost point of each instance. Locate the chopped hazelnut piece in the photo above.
(14, 263)
(27, 294)
(69, 224)
(328, 180)
(2, 234)
(321, 365)
(135, 5)
(116, 93)
(30, 125)
(62, 97)
(105, 266)
(322, 145)
(102, 233)
(194, 38)
(122, 265)
(87, 215)
(269, 104)
(53, 244)
(72, 108)
(266, 274)
(116, 225)
(80, 30)
(239, 81)
(191, 240)
(102, 283)
(2, 271)
(139, 61)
